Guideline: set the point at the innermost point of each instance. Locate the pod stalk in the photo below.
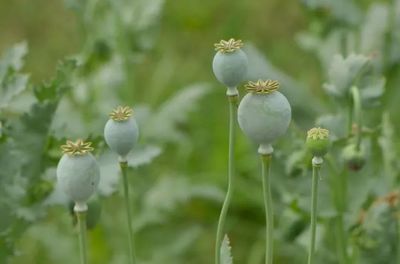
(124, 169)
(233, 101)
(269, 217)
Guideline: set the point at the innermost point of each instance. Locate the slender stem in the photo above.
(398, 236)
(355, 94)
(81, 216)
(314, 205)
(350, 118)
(231, 166)
(341, 240)
(124, 168)
(343, 43)
(266, 165)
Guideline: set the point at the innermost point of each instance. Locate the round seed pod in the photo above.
(264, 114)
(354, 159)
(230, 62)
(78, 172)
(317, 141)
(121, 131)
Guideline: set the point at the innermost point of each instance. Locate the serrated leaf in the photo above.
(374, 29)
(298, 95)
(335, 125)
(12, 83)
(13, 59)
(372, 91)
(110, 169)
(160, 198)
(174, 112)
(343, 73)
(226, 254)
(343, 11)
(52, 91)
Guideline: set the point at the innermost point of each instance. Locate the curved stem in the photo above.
(266, 165)
(314, 205)
(355, 94)
(124, 168)
(222, 217)
(81, 216)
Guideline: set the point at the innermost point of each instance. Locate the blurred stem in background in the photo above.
(233, 101)
(356, 98)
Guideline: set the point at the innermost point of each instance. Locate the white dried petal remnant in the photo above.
(121, 113)
(318, 133)
(77, 148)
(226, 46)
(262, 87)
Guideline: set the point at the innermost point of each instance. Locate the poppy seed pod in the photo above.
(78, 172)
(354, 158)
(264, 114)
(317, 141)
(121, 131)
(230, 63)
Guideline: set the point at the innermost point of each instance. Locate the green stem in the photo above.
(398, 236)
(266, 165)
(341, 240)
(81, 216)
(124, 170)
(233, 99)
(343, 43)
(356, 97)
(314, 205)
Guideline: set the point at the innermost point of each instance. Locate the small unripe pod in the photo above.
(354, 159)
(264, 114)
(230, 62)
(317, 141)
(78, 172)
(121, 131)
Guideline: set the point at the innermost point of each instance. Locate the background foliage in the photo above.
(156, 56)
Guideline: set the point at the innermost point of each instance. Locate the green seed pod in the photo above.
(78, 172)
(264, 114)
(354, 159)
(230, 63)
(121, 131)
(317, 141)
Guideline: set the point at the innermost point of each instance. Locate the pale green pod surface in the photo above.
(121, 136)
(354, 159)
(264, 117)
(317, 141)
(78, 176)
(230, 68)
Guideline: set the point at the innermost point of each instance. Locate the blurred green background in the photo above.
(156, 56)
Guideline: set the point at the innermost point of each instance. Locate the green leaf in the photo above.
(343, 73)
(12, 83)
(298, 95)
(109, 165)
(374, 29)
(13, 59)
(372, 90)
(226, 255)
(174, 112)
(52, 91)
(335, 125)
